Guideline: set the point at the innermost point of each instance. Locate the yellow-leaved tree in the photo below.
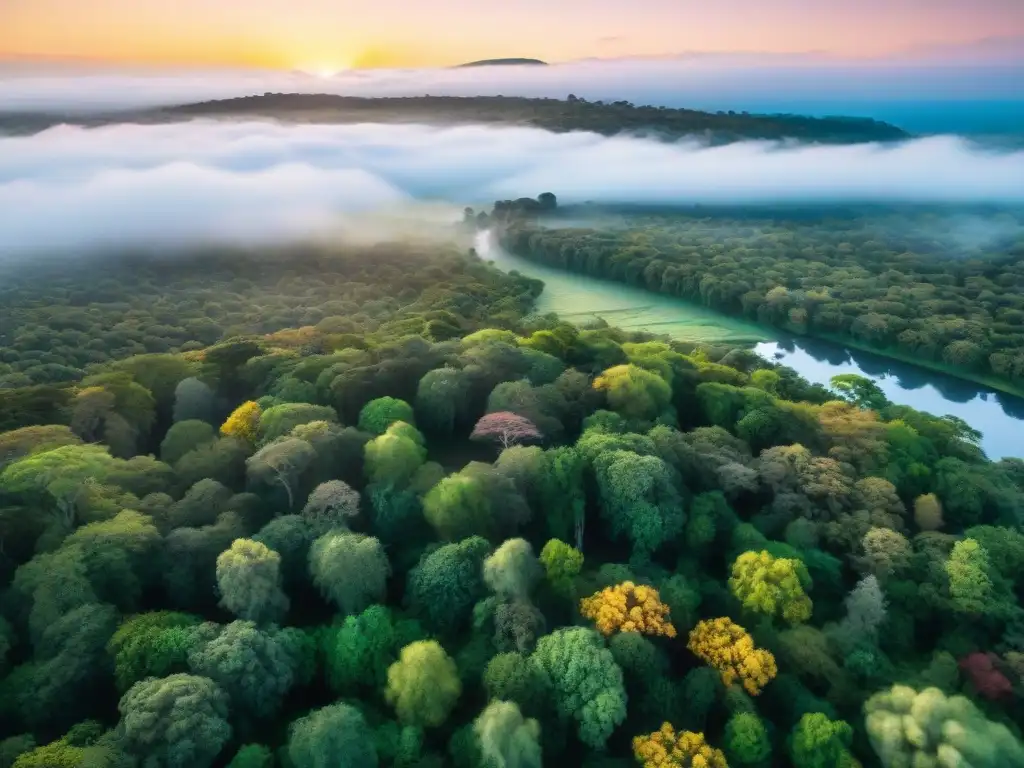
(244, 422)
(772, 585)
(728, 647)
(628, 607)
(667, 749)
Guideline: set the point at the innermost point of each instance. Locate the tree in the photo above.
(331, 505)
(928, 512)
(423, 685)
(634, 392)
(335, 736)
(280, 420)
(746, 740)
(249, 582)
(252, 756)
(513, 677)
(477, 500)
(255, 667)
(441, 399)
(770, 585)
(281, 463)
(665, 749)
(507, 739)
(447, 582)
(639, 500)
(628, 607)
(393, 458)
(350, 569)
(26, 441)
(729, 648)
(818, 742)
(377, 415)
(866, 611)
(193, 400)
(512, 570)
(859, 391)
(970, 586)
(155, 644)
(562, 496)
(185, 436)
(562, 564)
(506, 429)
(985, 677)
(59, 476)
(585, 681)
(177, 721)
(360, 650)
(886, 552)
(907, 727)
(243, 423)
(291, 537)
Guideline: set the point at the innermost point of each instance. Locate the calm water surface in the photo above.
(999, 417)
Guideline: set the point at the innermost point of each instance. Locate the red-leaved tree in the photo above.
(988, 681)
(506, 429)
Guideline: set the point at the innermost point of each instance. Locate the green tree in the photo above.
(562, 564)
(513, 677)
(970, 585)
(350, 569)
(817, 742)
(255, 667)
(377, 415)
(634, 392)
(393, 458)
(360, 650)
(176, 721)
(335, 736)
(423, 685)
(155, 644)
(512, 570)
(249, 582)
(447, 582)
(585, 680)
(746, 740)
(507, 739)
(185, 436)
(252, 756)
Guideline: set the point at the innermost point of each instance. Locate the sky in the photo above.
(333, 35)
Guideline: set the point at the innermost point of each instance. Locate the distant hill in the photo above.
(502, 63)
(571, 114)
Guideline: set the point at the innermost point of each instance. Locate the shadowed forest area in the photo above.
(360, 506)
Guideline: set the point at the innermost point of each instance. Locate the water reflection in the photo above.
(996, 415)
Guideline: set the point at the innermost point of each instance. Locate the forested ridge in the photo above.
(362, 508)
(944, 286)
(560, 115)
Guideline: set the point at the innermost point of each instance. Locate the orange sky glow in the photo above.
(330, 35)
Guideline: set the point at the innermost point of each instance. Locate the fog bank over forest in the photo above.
(758, 82)
(261, 181)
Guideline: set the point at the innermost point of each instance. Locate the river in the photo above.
(578, 298)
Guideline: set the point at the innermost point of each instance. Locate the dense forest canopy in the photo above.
(939, 285)
(363, 508)
(560, 115)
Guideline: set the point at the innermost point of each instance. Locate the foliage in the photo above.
(350, 569)
(585, 681)
(333, 504)
(634, 392)
(729, 648)
(507, 739)
(908, 727)
(628, 607)
(335, 736)
(423, 685)
(818, 742)
(512, 570)
(377, 415)
(562, 564)
(746, 739)
(506, 429)
(665, 749)
(771, 585)
(249, 582)
(243, 423)
(176, 721)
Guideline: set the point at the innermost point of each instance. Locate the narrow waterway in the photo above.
(578, 298)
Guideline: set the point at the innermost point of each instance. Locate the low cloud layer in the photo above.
(71, 188)
(761, 82)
